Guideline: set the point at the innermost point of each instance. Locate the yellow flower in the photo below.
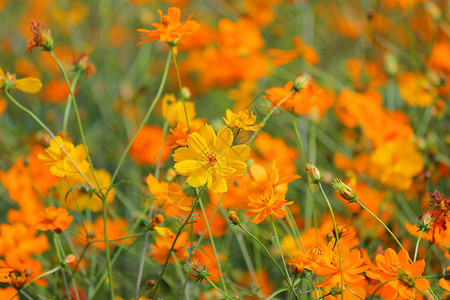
(173, 110)
(210, 158)
(242, 120)
(29, 85)
(61, 164)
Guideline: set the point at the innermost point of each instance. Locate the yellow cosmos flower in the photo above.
(210, 158)
(28, 85)
(61, 164)
(242, 120)
(173, 110)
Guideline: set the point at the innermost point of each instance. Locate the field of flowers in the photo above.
(224, 149)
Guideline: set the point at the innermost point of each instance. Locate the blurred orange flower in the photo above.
(170, 29)
(147, 145)
(163, 245)
(53, 218)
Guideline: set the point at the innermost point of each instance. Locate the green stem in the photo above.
(181, 87)
(188, 218)
(213, 244)
(68, 103)
(108, 257)
(269, 115)
(219, 290)
(146, 117)
(80, 127)
(417, 244)
(281, 250)
(50, 133)
(337, 235)
(382, 223)
(271, 258)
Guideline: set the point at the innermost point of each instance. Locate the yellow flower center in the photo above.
(265, 198)
(212, 158)
(315, 253)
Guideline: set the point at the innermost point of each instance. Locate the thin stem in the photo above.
(181, 87)
(80, 127)
(108, 257)
(68, 103)
(337, 235)
(269, 115)
(213, 244)
(188, 218)
(219, 290)
(146, 117)
(417, 244)
(51, 134)
(279, 248)
(381, 222)
(271, 258)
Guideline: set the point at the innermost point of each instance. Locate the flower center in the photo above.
(165, 21)
(212, 158)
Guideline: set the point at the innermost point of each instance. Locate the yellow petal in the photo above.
(198, 180)
(207, 132)
(197, 143)
(29, 85)
(217, 184)
(224, 139)
(2, 75)
(189, 167)
(185, 154)
(239, 152)
(163, 231)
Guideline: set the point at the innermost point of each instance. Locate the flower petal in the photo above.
(29, 85)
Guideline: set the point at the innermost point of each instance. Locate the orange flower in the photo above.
(267, 204)
(56, 219)
(42, 37)
(56, 91)
(352, 266)
(179, 135)
(147, 144)
(392, 266)
(22, 239)
(281, 57)
(163, 244)
(206, 256)
(170, 29)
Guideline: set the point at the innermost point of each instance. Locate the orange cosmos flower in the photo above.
(392, 266)
(61, 165)
(352, 266)
(28, 85)
(170, 29)
(147, 146)
(267, 204)
(163, 244)
(56, 219)
(210, 158)
(42, 37)
(179, 135)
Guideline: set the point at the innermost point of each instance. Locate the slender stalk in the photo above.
(50, 133)
(68, 103)
(382, 223)
(108, 257)
(80, 127)
(219, 290)
(337, 235)
(181, 87)
(417, 244)
(146, 117)
(188, 218)
(60, 259)
(279, 248)
(213, 244)
(267, 117)
(271, 258)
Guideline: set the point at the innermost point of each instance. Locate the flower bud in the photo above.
(337, 290)
(345, 191)
(302, 82)
(233, 217)
(196, 270)
(313, 172)
(157, 220)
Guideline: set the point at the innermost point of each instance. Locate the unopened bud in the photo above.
(337, 290)
(157, 220)
(186, 92)
(233, 217)
(313, 172)
(302, 82)
(344, 190)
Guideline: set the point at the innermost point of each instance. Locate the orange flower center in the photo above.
(315, 253)
(212, 158)
(165, 21)
(265, 198)
(406, 278)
